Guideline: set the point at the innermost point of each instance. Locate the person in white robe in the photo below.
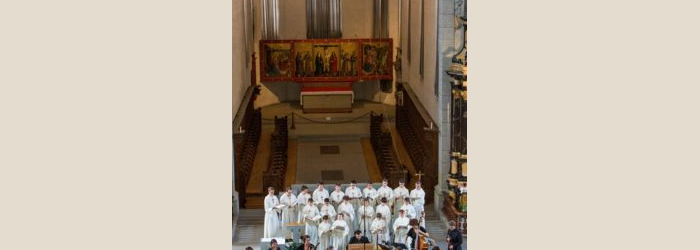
(289, 211)
(400, 193)
(311, 219)
(371, 193)
(383, 208)
(355, 195)
(324, 233)
(400, 228)
(302, 198)
(365, 214)
(327, 209)
(319, 195)
(348, 212)
(379, 230)
(385, 192)
(337, 196)
(339, 236)
(408, 208)
(271, 227)
(385, 211)
(418, 198)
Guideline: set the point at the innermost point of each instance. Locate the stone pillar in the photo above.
(446, 48)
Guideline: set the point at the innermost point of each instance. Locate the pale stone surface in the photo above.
(310, 162)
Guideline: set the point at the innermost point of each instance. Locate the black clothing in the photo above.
(301, 247)
(455, 237)
(412, 233)
(362, 239)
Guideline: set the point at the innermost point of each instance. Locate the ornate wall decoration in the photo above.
(326, 60)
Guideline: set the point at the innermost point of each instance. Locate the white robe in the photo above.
(385, 211)
(311, 228)
(418, 198)
(324, 235)
(355, 195)
(319, 196)
(379, 224)
(399, 194)
(370, 193)
(400, 236)
(301, 203)
(385, 192)
(288, 212)
(368, 212)
(340, 241)
(327, 209)
(348, 214)
(272, 221)
(410, 211)
(337, 198)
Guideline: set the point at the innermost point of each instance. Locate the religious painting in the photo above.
(305, 65)
(326, 56)
(348, 59)
(327, 60)
(376, 58)
(277, 60)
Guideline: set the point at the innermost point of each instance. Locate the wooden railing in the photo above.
(246, 139)
(389, 166)
(420, 137)
(277, 167)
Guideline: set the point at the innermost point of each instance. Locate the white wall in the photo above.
(357, 18)
(240, 67)
(292, 19)
(423, 86)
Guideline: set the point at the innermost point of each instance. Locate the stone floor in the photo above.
(313, 166)
(327, 124)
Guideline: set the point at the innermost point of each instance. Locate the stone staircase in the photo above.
(432, 221)
(249, 228)
(438, 229)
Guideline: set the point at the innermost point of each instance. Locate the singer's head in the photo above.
(414, 223)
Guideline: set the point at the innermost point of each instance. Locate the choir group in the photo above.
(384, 215)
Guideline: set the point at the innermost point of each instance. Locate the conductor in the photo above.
(358, 238)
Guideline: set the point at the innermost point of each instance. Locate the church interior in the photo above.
(348, 92)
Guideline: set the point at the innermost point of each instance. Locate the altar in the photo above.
(327, 101)
(326, 68)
